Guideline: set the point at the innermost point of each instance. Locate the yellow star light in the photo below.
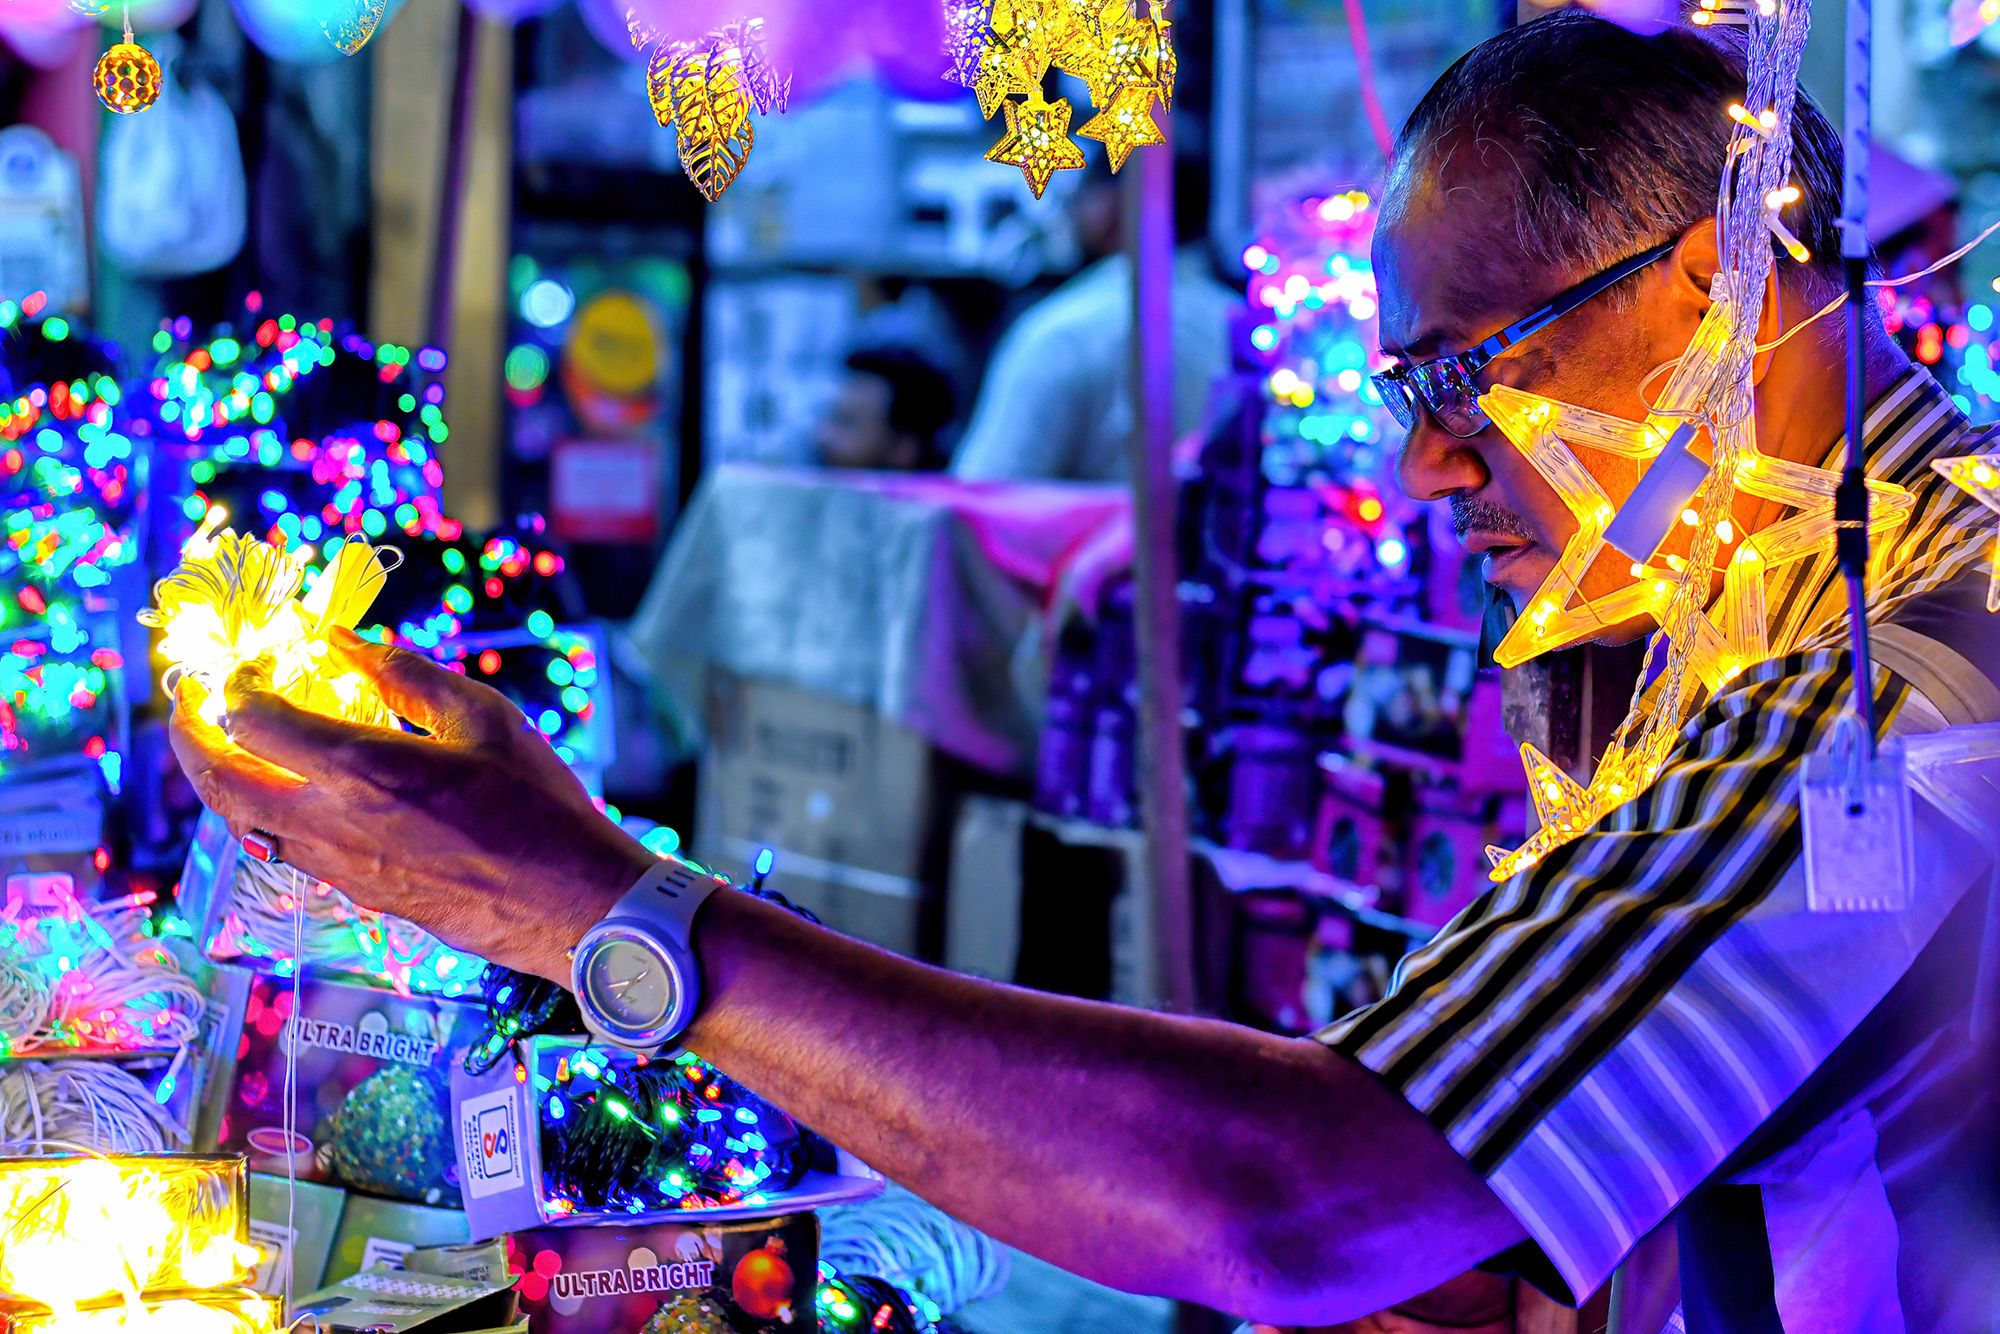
(1124, 125)
(1138, 52)
(1037, 141)
(1978, 475)
(1708, 639)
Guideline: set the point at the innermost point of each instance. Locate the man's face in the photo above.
(1450, 276)
(855, 430)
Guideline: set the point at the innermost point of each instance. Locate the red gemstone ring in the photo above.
(261, 847)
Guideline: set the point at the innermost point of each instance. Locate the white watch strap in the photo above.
(668, 895)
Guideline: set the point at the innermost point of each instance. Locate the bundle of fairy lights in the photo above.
(88, 978)
(625, 1135)
(265, 903)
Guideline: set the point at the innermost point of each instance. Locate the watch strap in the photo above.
(668, 895)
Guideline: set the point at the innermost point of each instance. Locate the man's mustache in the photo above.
(1472, 515)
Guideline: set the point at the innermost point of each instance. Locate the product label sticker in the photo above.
(274, 1242)
(1856, 823)
(491, 1150)
(384, 1251)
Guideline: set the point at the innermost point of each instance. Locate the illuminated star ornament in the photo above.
(1037, 141)
(1003, 50)
(1673, 552)
(1978, 475)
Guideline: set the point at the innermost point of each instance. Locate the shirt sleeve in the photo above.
(1599, 1034)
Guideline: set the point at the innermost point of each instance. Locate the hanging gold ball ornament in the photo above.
(127, 78)
(352, 29)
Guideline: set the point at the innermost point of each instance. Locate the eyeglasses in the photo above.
(1446, 387)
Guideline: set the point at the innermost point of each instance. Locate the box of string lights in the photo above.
(565, 1133)
(368, 1098)
(128, 1242)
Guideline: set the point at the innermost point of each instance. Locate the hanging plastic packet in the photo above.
(1856, 815)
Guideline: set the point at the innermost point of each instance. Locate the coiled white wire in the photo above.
(900, 1238)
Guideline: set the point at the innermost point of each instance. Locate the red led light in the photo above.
(489, 662)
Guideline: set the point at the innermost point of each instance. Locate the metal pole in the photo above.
(1850, 502)
(451, 199)
(1149, 242)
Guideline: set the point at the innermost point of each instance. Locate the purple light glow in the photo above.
(900, 42)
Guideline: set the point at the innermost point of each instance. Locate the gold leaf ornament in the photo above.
(711, 114)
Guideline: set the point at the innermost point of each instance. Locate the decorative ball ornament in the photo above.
(762, 1283)
(351, 29)
(128, 78)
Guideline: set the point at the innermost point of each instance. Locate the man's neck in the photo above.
(1801, 402)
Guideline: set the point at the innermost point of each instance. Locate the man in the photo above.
(1056, 404)
(888, 412)
(1595, 1048)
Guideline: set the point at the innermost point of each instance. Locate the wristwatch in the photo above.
(634, 973)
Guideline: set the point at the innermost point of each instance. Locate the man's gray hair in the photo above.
(1618, 140)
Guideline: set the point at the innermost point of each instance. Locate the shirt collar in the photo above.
(1913, 422)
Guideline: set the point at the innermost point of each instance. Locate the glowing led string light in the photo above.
(118, 1233)
(234, 601)
(1004, 49)
(1703, 641)
(1978, 475)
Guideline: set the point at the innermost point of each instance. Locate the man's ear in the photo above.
(1696, 259)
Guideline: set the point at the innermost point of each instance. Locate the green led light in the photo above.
(454, 560)
(225, 351)
(575, 698)
(202, 473)
(55, 329)
(458, 598)
(373, 524)
(540, 624)
(526, 368)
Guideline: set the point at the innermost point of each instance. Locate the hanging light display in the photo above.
(128, 78)
(706, 90)
(1003, 51)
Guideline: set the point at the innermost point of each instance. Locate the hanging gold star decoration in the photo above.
(705, 92)
(1978, 475)
(1037, 141)
(1124, 125)
(1003, 50)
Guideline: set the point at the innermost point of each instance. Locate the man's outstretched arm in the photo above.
(1262, 1176)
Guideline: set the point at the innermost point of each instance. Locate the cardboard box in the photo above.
(756, 1276)
(307, 1239)
(372, 1086)
(381, 1232)
(853, 804)
(499, 1119)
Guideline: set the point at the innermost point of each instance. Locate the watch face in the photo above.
(629, 985)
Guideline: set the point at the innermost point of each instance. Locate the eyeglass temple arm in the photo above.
(1561, 306)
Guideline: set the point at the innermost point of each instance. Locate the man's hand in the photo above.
(474, 830)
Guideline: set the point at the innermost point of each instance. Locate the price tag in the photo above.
(1856, 815)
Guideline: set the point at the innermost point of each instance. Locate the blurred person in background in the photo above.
(889, 413)
(1056, 404)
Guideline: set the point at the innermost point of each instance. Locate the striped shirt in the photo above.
(1652, 1008)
